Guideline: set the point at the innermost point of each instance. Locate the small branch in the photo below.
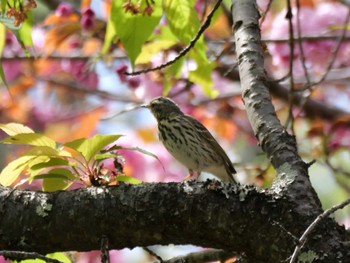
(83, 89)
(105, 250)
(300, 45)
(153, 254)
(186, 49)
(290, 118)
(313, 225)
(306, 38)
(22, 255)
(264, 14)
(336, 49)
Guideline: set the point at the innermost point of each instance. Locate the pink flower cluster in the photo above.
(324, 19)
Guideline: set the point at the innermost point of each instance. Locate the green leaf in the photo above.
(10, 173)
(132, 29)
(2, 75)
(173, 71)
(15, 128)
(110, 36)
(56, 179)
(128, 179)
(21, 42)
(60, 256)
(104, 156)
(9, 23)
(51, 175)
(202, 76)
(36, 160)
(2, 44)
(35, 139)
(89, 147)
(42, 150)
(25, 32)
(150, 50)
(182, 18)
(50, 163)
(3, 6)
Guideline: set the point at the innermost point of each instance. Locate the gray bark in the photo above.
(261, 224)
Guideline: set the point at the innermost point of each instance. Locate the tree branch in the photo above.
(312, 108)
(279, 146)
(234, 218)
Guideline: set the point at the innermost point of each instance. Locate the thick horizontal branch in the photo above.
(207, 214)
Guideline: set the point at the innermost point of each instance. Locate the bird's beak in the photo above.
(144, 106)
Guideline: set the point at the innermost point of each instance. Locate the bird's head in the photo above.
(162, 107)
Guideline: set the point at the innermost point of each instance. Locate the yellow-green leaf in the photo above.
(150, 50)
(2, 44)
(182, 18)
(56, 179)
(128, 179)
(42, 150)
(60, 256)
(202, 76)
(9, 23)
(89, 147)
(50, 163)
(132, 29)
(35, 139)
(10, 173)
(15, 128)
(25, 31)
(104, 156)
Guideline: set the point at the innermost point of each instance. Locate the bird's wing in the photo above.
(211, 141)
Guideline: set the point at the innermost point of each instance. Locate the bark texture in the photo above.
(261, 224)
(234, 218)
(292, 180)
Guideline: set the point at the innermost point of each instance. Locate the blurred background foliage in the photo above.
(63, 70)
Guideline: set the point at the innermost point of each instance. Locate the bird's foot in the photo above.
(192, 175)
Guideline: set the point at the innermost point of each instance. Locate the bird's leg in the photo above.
(192, 174)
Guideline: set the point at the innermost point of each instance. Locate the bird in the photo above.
(189, 141)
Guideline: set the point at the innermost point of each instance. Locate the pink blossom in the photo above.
(12, 69)
(81, 72)
(134, 82)
(64, 9)
(320, 20)
(340, 137)
(12, 47)
(88, 19)
(121, 69)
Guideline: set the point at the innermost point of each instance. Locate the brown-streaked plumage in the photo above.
(189, 142)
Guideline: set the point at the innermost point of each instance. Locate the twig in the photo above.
(21, 255)
(113, 115)
(83, 89)
(153, 254)
(309, 86)
(290, 118)
(337, 48)
(105, 250)
(295, 239)
(263, 16)
(300, 44)
(186, 49)
(313, 225)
